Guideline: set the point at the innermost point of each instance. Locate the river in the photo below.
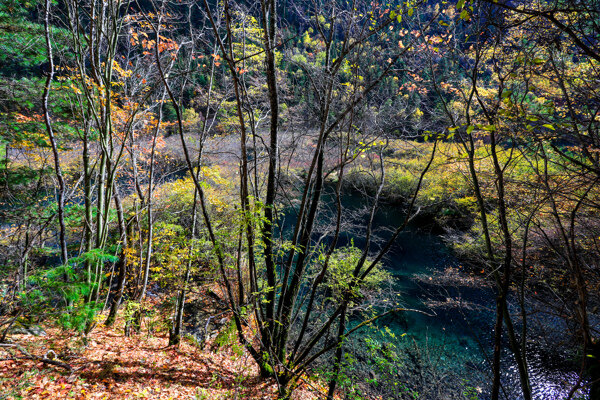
(455, 344)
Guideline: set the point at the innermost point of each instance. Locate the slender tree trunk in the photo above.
(506, 271)
(122, 263)
(339, 352)
(47, 120)
(177, 327)
(87, 200)
(269, 10)
(150, 216)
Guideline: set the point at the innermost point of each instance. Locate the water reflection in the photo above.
(460, 336)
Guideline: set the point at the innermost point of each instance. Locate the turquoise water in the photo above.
(455, 340)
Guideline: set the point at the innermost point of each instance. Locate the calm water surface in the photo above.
(459, 336)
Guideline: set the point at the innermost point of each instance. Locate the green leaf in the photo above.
(489, 128)
(460, 4)
(393, 14)
(470, 129)
(549, 126)
(411, 11)
(506, 93)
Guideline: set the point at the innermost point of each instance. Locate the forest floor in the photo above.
(142, 366)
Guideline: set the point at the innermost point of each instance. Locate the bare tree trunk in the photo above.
(47, 120)
(87, 188)
(339, 352)
(122, 263)
(150, 237)
(177, 326)
(269, 21)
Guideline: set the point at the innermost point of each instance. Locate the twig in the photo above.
(29, 356)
